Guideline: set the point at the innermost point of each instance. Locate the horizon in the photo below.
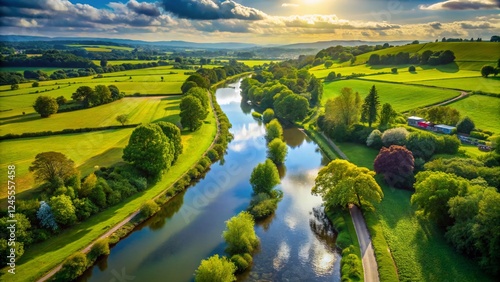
(255, 22)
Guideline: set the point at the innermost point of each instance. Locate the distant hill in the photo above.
(325, 44)
(469, 55)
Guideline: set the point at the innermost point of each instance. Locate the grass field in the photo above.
(489, 85)
(120, 62)
(420, 250)
(483, 110)
(42, 257)
(100, 48)
(425, 73)
(252, 63)
(401, 97)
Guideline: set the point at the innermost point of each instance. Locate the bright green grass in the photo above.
(78, 147)
(489, 85)
(401, 97)
(419, 248)
(41, 258)
(100, 48)
(464, 51)
(139, 109)
(322, 72)
(483, 110)
(120, 62)
(22, 69)
(442, 72)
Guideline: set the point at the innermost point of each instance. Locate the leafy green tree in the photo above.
(369, 112)
(24, 233)
(173, 133)
(103, 63)
(274, 130)
(422, 144)
(73, 267)
(487, 70)
(149, 150)
(328, 64)
(277, 151)
(341, 183)
(331, 76)
(14, 86)
(188, 85)
(316, 89)
(395, 136)
(201, 81)
(466, 125)
(149, 208)
(99, 248)
(268, 115)
(5, 250)
(344, 109)
(51, 166)
(115, 92)
(192, 112)
(433, 190)
(412, 69)
(63, 210)
(45, 106)
(292, 107)
(123, 119)
(200, 94)
(265, 177)
(102, 94)
(35, 84)
(396, 163)
(374, 140)
(215, 269)
(240, 234)
(61, 100)
(82, 93)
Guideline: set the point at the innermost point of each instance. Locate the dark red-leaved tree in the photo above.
(396, 163)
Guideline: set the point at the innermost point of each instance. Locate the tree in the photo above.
(344, 109)
(396, 163)
(201, 81)
(173, 133)
(115, 92)
(328, 64)
(412, 69)
(51, 166)
(123, 119)
(104, 63)
(61, 100)
(394, 70)
(45, 106)
(192, 112)
(292, 107)
(374, 140)
(82, 93)
(316, 89)
(274, 130)
(341, 183)
(200, 94)
(23, 228)
(487, 70)
(422, 144)
(35, 84)
(99, 248)
(387, 114)
(370, 107)
(14, 86)
(466, 125)
(264, 177)
(277, 151)
(45, 216)
(149, 208)
(433, 190)
(267, 115)
(149, 150)
(215, 269)
(495, 38)
(331, 76)
(63, 210)
(395, 136)
(188, 85)
(102, 96)
(73, 267)
(240, 234)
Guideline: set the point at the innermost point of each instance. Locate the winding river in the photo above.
(297, 243)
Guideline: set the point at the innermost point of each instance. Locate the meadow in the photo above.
(425, 73)
(120, 62)
(419, 249)
(489, 85)
(401, 97)
(100, 48)
(483, 110)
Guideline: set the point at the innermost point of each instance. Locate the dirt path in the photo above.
(370, 267)
(51, 273)
(335, 147)
(463, 94)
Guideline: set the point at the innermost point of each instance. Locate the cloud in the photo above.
(483, 25)
(148, 9)
(289, 5)
(211, 10)
(463, 5)
(435, 25)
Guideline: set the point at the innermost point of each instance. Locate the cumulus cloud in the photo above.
(463, 5)
(211, 10)
(435, 25)
(483, 25)
(148, 9)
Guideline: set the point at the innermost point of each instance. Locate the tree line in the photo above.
(427, 57)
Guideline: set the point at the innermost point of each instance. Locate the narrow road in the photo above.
(463, 94)
(370, 266)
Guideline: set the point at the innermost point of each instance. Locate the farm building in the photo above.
(446, 129)
(413, 120)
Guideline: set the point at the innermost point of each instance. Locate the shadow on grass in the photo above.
(19, 118)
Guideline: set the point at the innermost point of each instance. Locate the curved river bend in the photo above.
(297, 243)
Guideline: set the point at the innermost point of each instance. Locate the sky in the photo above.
(253, 21)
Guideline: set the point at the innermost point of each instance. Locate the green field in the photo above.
(401, 97)
(483, 110)
(120, 62)
(42, 257)
(478, 52)
(425, 73)
(100, 48)
(489, 85)
(419, 249)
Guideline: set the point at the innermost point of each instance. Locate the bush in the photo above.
(149, 208)
(478, 135)
(212, 155)
(394, 70)
(395, 136)
(35, 84)
(256, 115)
(412, 69)
(264, 208)
(73, 267)
(466, 125)
(374, 140)
(450, 145)
(214, 269)
(268, 115)
(100, 247)
(240, 262)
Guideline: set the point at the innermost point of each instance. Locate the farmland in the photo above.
(100, 48)
(483, 110)
(401, 97)
(489, 85)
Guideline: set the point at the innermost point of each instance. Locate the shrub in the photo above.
(212, 155)
(256, 115)
(412, 69)
(264, 208)
(73, 267)
(240, 262)
(394, 70)
(100, 247)
(35, 84)
(214, 269)
(466, 125)
(478, 135)
(449, 145)
(268, 115)
(395, 136)
(374, 140)
(149, 208)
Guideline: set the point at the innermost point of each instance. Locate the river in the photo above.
(297, 243)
